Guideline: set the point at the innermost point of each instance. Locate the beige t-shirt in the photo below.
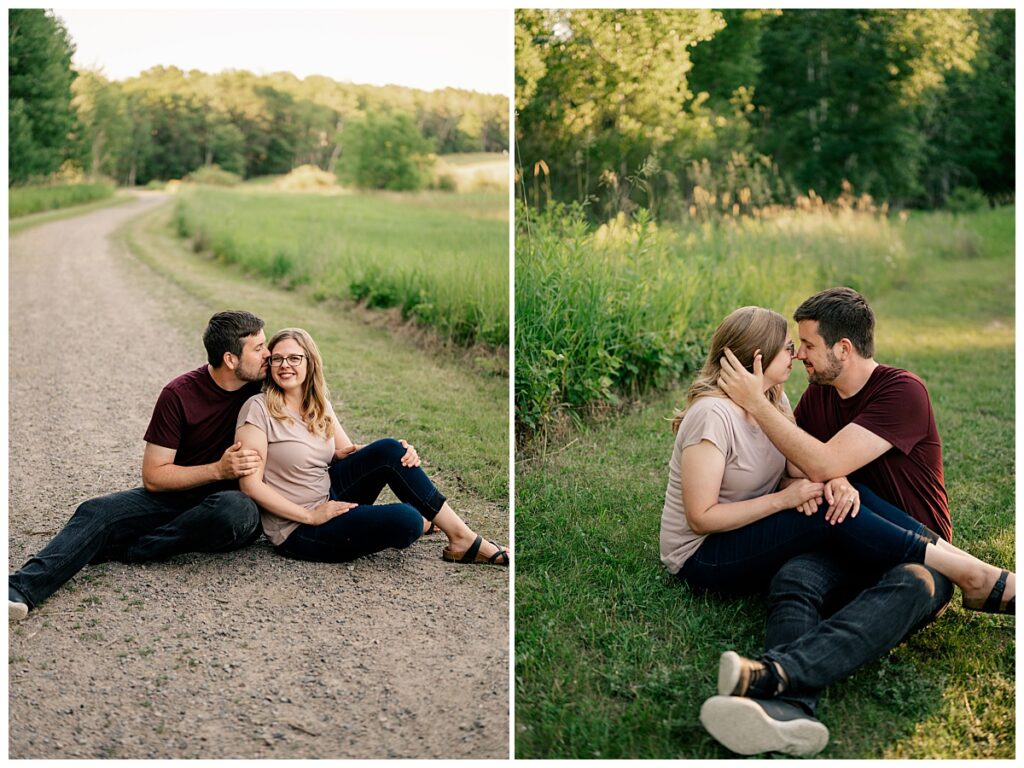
(297, 463)
(753, 467)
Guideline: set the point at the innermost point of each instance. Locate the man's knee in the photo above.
(920, 589)
(233, 518)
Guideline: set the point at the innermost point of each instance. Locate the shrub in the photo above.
(385, 151)
(213, 176)
(307, 178)
(966, 200)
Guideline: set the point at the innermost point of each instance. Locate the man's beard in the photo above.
(250, 374)
(830, 373)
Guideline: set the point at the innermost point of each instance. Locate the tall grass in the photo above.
(47, 197)
(441, 259)
(628, 306)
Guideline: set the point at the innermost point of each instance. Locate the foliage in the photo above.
(623, 109)
(614, 658)
(440, 259)
(39, 77)
(966, 200)
(627, 307)
(23, 200)
(385, 152)
(165, 123)
(213, 176)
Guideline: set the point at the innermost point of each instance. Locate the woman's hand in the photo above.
(843, 499)
(330, 510)
(803, 495)
(411, 458)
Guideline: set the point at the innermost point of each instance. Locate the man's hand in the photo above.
(330, 510)
(411, 458)
(743, 388)
(843, 499)
(237, 462)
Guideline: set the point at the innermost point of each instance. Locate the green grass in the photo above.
(381, 384)
(22, 201)
(20, 224)
(628, 307)
(441, 259)
(613, 658)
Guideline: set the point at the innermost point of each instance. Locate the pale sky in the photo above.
(469, 49)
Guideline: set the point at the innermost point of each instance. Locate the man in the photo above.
(190, 500)
(827, 617)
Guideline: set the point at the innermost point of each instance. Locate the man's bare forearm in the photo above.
(809, 454)
(172, 477)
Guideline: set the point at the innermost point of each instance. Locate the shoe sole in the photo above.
(16, 611)
(729, 668)
(741, 726)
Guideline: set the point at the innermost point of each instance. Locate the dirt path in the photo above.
(243, 655)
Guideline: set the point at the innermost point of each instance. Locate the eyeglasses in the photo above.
(293, 360)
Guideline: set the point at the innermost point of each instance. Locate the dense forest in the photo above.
(166, 123)
(663, 108)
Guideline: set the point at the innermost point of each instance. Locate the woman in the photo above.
(313, 509)
(732, 516)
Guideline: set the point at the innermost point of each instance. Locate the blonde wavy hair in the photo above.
(745, 331)
(315, 394)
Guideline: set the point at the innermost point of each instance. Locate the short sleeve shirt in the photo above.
(753, 468)
(296, 465)
(195, 418)
(894, 405)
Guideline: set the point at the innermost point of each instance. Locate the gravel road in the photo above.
(242, 655)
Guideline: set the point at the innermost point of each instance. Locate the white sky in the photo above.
(418, 48)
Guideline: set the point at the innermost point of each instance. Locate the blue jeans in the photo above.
(745, 560)
(369, 528)
(138, 526)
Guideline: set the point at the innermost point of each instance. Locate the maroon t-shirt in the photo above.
(196, 418)
(894, 405)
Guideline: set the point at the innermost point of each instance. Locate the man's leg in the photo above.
(97, 530)
(819, 636)
(219, 522)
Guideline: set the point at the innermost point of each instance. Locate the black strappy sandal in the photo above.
(993, 603)
(473, 556)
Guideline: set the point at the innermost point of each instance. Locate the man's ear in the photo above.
(229, 361)
(846, 349)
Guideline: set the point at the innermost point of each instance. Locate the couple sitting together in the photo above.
(258, 417)
(839, 507)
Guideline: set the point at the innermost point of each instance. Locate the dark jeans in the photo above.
(745, 560)
(827, 617)
(369, 528)
(138, 526)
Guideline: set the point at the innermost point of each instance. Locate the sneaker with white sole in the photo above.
(17, 608)
(752, 726)
(16, 611)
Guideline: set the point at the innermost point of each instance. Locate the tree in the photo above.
(39, 97)
(608, 96)
(384, 151)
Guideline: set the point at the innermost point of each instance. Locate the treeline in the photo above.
(669, 109)
(166, 123)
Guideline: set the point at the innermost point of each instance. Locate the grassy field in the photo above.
(441, 258)
(22, 201)
(613, 659)
(627, 307)
(380, 384)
